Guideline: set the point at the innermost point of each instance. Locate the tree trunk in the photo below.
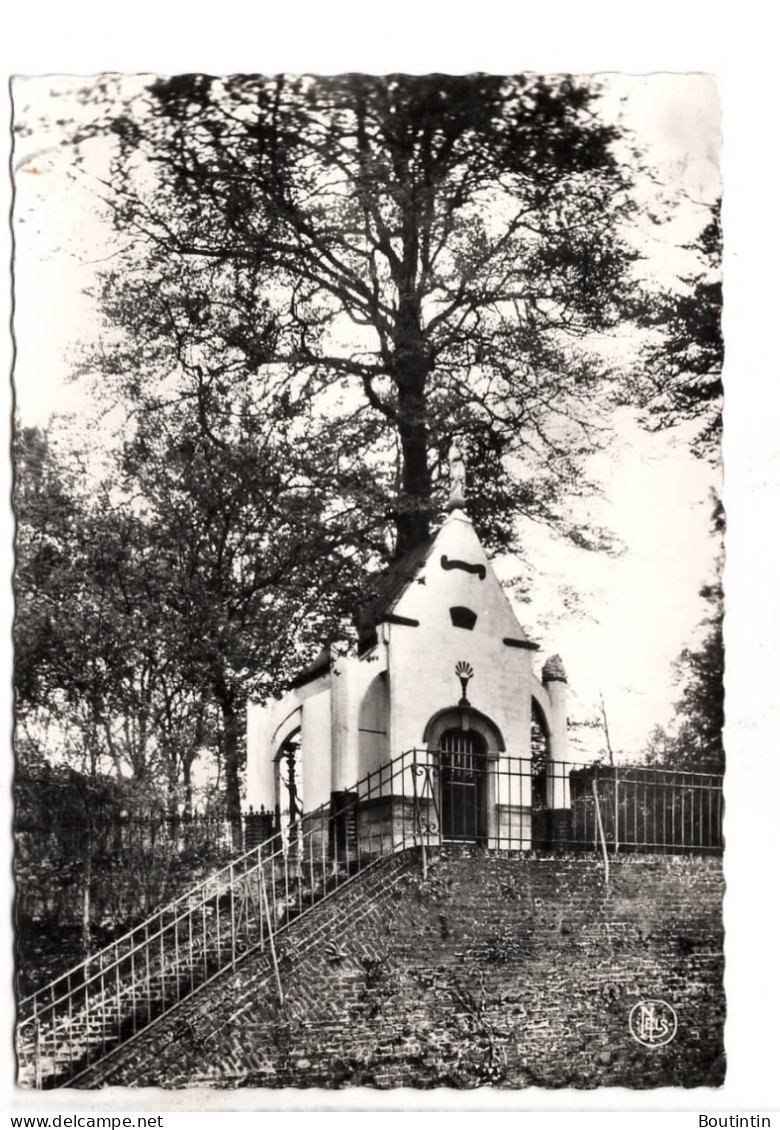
(413, 520)
(186, 770)
(411, 367)
(231, 727)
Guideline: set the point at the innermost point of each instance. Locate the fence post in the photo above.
(37, 1054)
(601, 829)
(417, 819)
(271, 942)
(232, 881)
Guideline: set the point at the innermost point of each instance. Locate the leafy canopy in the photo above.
(426, 256)
(681, 378)
(695, 741)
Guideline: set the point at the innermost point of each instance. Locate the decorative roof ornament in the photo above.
(457, 499)
(553, 670)
(464, 671)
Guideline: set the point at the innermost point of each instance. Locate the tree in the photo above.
(682, 383)
(442, 245)
(695, 741)
(82, 655)
(246, 562)
(699, 743)
(85, 662)
(199, 572)
(682, 365)
(48, 515)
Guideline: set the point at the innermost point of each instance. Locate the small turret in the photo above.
(558, 796)
(554, 671)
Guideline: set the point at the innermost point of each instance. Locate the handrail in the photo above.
(318, 813)
(89, 1009)
(187, 895)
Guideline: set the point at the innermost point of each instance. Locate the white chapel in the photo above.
(441, 701)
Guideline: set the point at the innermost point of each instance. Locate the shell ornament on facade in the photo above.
(464, 671)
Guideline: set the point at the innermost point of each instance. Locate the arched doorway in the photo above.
(289, 799)
(463, 767)
(464, 746)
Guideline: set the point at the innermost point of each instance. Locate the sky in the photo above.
(636, 612)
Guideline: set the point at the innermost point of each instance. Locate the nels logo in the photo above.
(653, 1023)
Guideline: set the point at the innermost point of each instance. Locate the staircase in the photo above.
(71, 1024)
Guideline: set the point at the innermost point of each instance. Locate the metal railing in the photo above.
(423, 798)
(647, 809)
(515, 804)
(106, 1000)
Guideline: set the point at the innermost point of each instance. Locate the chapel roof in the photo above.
(320, 666)
(385, 589)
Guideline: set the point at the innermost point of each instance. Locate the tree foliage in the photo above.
(681, 380)
(247, 560)
(203, 570)
(695, 741)
(84, 657)
(700, 735)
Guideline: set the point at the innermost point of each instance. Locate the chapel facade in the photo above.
(438, 726)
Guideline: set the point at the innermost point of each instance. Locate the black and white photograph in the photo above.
(368, 643)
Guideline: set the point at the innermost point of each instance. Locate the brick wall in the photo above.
(495, 970)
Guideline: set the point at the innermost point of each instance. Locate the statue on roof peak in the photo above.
(457, 499)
